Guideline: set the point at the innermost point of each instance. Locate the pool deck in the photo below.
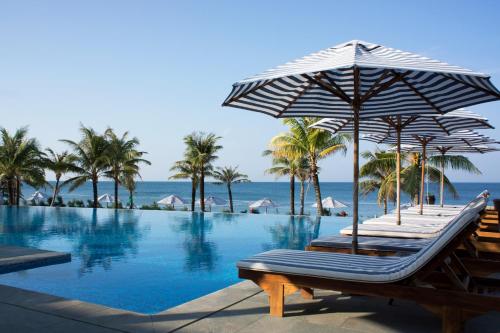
(239, 308)
(16, 258)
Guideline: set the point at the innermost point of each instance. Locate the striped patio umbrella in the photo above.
(361, 80)
(459, 138)
(393, 126)
(443, 150)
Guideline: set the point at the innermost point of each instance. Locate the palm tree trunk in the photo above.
(18, 191)
(116, 193)
(193, 194)
(10, 187)
(94, 190)
(131, 196)
(292, 194)
(230, 197)
(385, 206)
(56, 191)
(202, 188)
(302, 195)
(317, 190)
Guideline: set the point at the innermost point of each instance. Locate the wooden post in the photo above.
(441, 188)
(398, 172)
(276, 299)
(452, 320)
(422, 177)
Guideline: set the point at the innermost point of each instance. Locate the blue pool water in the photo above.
(146, 261)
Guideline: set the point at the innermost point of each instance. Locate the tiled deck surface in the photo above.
(239, 308)
(15, 258)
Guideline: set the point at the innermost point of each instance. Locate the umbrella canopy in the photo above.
(106, 198)
(172, 200)
(443, 150)
(37, 196)
(459, 138)
(417, 125)
(329, 202)
(361, 80)
(265, 202)
(214, 201)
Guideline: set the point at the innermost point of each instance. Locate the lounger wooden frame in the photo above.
(443, 286)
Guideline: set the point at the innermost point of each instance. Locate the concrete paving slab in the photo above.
(241, 308)
(16, 258)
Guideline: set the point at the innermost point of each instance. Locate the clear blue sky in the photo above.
(161, 69)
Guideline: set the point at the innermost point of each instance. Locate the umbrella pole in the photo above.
(398, 173)
(441, 189)
(355, 184)
(422, 180)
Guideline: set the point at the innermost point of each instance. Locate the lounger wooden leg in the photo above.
(276, 294)
(452, 320)
(307, 293)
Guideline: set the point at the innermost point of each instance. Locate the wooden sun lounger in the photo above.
(442, 284)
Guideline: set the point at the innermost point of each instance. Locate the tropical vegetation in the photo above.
(22, 161)
(312, 144)
(228, 176)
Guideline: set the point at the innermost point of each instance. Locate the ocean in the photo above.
(148, 192)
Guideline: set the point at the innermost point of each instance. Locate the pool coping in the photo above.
(168, 320)
(18, 258)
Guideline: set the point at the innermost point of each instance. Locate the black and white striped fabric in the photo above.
(350, 267)
(441, 149)
(446, 124)
(463, 138)
(391, 82)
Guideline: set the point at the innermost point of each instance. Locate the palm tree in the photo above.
(228, 176)
(201, 150)
(20, 161)
(122, 157)
(302, 141)
(380, 173)
(283, 166)
(187, 169)
(303, 174)
(127, 178)
(59, 164)
(455, 162)
(90, 160)
(411, 175)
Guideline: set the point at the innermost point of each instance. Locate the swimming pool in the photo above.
(147, 261)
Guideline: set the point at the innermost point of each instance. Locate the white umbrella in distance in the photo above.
(37, 196)
(358, 80)
(330, 203)
(172, 200)
(214, 201)
(106, 198)
(263, 203)
(440, 125)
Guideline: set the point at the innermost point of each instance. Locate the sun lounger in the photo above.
(410, 220)
(426, 229)
(433, 277)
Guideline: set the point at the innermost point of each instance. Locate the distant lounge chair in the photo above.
(413, 227)
(434, 277)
